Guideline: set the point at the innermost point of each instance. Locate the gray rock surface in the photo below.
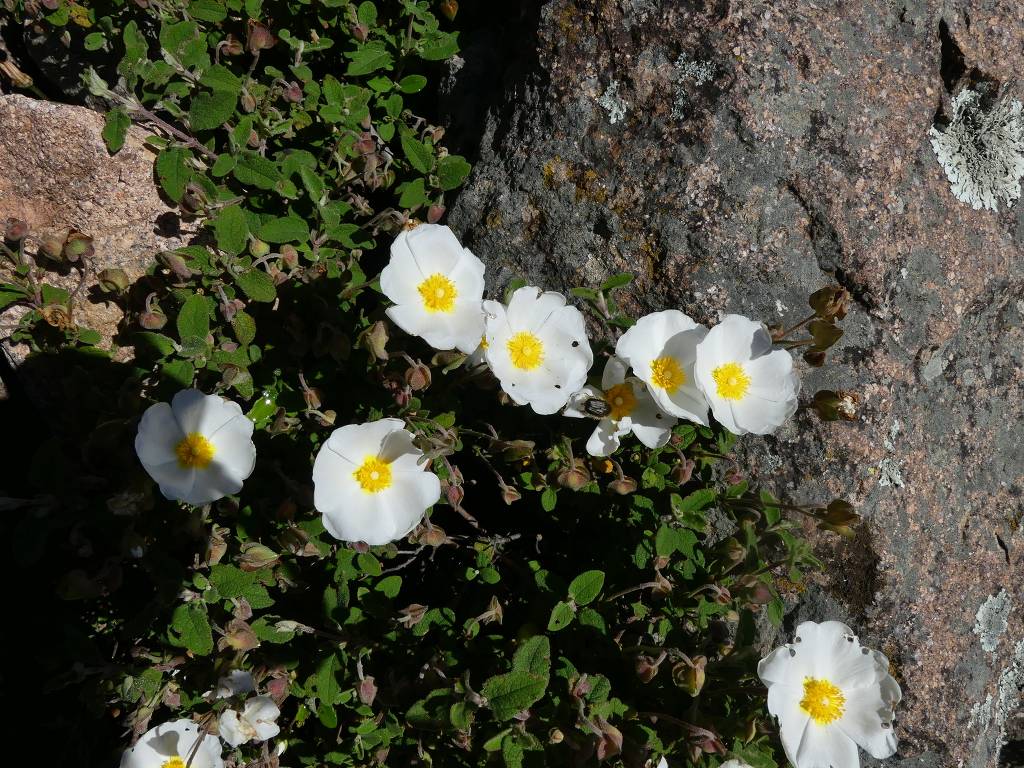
(737, 156)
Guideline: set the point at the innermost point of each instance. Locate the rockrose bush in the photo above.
(346, 507)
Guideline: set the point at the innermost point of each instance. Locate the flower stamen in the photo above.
(373, 475)
(194, 452)
(173, 762)
(622, 401)
(438, 293)
(667, 374)
(525, 351)
(731, 381)
(822, 700)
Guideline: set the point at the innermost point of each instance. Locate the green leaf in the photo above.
(695, 502)
(511, 693)
(367, 14)
(534, 656)
(190, 628)
(287, 229)
(412, 83)
(548, 499)
(561, 616)
(368, 58)
(585, 588)
(414, 194)
(173, 172)
(244, 327)
(255, 170)
(210, 110)
(233, 582)
(419, 155)
(452, 170)
(194, 317)
(257, 285)
(327, 688)
(231, 228)
(439, 46)
(155, 344)
(207, 10)
(617, 281)
(220, 78)
(180, 372)
(115, 129)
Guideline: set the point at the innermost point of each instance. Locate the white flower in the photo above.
(235, 683)
(369, 485)
(660, 349)
(198, 449)
(437, 287)
(258, 721)
(734, 764)
(170, 745)
(630, 409)
(829, 695)
(750, 387)
(663, 763)
(537, 347)
(982, 149)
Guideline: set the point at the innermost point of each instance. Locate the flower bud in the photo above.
(434, 213)
(78, 247)
(51, 247)
(374, 340)
(574, 478)
(510, 494)
(15, 231)
(690, 677)
(814, 358)
(238, 636)
(360, 32)
(256, 556)
(290, 256)
(683, 471)
(232, 46)
(454, 494)
(830, 302)
(113, 280)
(417, 376)
(175, 263)
(449, 8)
(292, 93)
(258, 248)
(646, 668)
(412, 615)
(622, 486)
(555, 736)
(260, 38)
(248, 102)
(367, 690)
(153, 320)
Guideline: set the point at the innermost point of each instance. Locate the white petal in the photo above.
(401, 277)
(468, 276)
(158, 435)
(406, 502)
(175, 482)
(604, 440)
(167, 740)
(261, 708)
(753, 415)
(820, 645)
(230, 727)
(530, 308)
(355, 442)
(784, 703)
(235, 683)
(333, 483)
(234, 453)
(361, 518)
(867, 718)
(266, 731)
(576, 402)
(651, 425)
(398, 450)
(434, 247)
(211, 484)
(205, 414)
(825, 747)
(614, 372)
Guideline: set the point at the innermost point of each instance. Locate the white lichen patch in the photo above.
(997, 709)
(982, 150)
(689, 71)
(613, 104)
(889, 474)
(992, 619)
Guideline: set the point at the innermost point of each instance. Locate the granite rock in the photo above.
(56, 174)
(737, 156)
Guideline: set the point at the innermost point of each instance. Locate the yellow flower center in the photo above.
(622, 401)
(732, 381)
(174, 762)
(483, 342)
(822, 700)
(525, 351)
(373, 475)
(667, 374)
(438, 292)
(194, 452)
